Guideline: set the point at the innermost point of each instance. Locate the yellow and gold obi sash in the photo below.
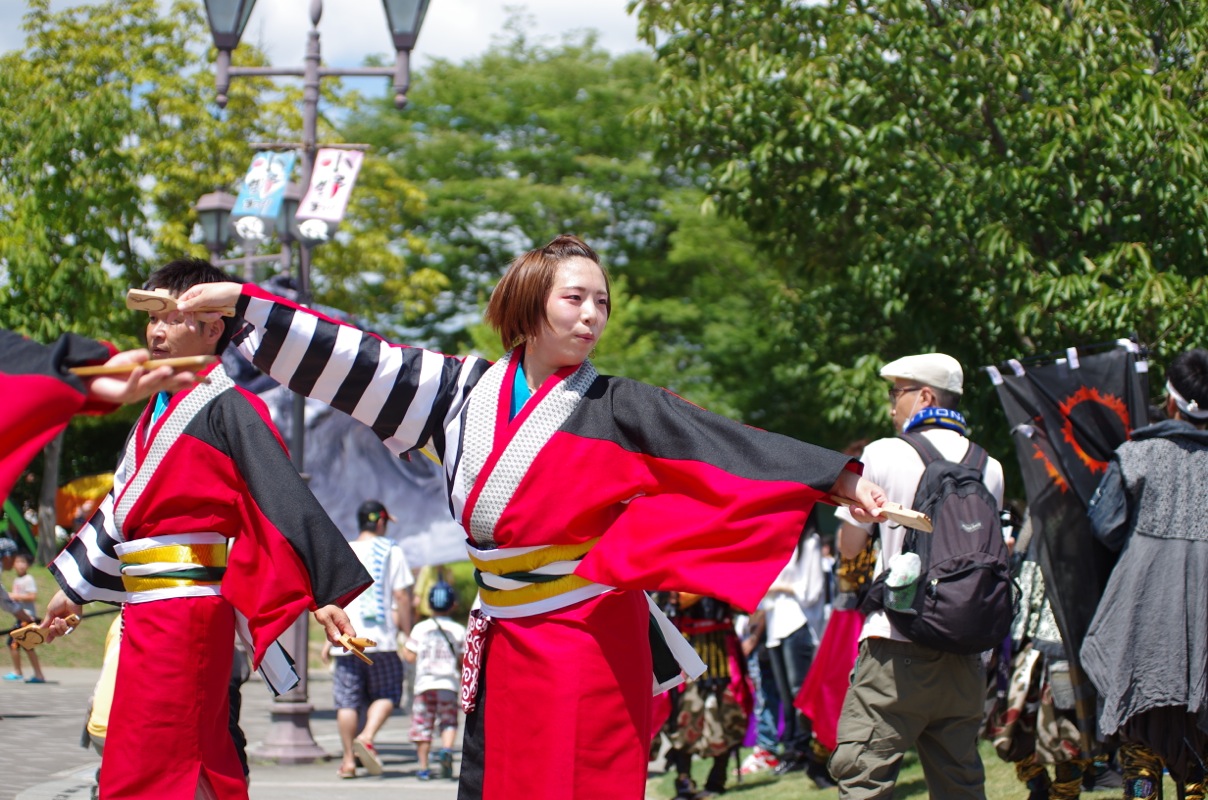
(523, 581)
(178, 565)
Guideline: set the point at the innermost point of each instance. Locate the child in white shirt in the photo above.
(25, 594)
(435, 648)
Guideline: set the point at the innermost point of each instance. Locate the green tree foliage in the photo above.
(528, 141)
(107, 137)
(988, 179)
(510, 149)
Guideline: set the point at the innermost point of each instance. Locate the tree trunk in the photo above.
(48, 547)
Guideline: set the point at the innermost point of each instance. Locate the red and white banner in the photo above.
(331, 182)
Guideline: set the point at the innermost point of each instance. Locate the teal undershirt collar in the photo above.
(520, 392)
(161, 405)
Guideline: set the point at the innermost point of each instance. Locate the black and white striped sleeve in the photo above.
(405, 394)
(88, 569)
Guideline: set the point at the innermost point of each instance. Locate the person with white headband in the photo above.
(1147, 647)
(1187, 409)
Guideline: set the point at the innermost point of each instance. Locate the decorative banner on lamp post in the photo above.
(326, 199)
(259, 200)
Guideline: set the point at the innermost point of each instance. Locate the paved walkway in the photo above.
(41, 757)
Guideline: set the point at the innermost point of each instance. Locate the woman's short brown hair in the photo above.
(517, 306)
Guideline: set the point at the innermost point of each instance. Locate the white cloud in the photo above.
(351, 29)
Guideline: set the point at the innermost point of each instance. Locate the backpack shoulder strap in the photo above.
(445, 636)
(924, 448)
(976, 457)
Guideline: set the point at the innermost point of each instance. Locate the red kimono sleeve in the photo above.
(289, 557)
(40, 395)
(721, 506)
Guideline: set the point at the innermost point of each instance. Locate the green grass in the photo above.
(86, 645)
(1001, 783)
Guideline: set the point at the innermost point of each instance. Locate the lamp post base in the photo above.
(289, 740)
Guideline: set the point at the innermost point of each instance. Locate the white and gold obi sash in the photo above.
(176, 565)
(526, 581)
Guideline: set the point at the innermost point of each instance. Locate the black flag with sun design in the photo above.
(1067, 416)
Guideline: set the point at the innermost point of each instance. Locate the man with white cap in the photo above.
(905, 695)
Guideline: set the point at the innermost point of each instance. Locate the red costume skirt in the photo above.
(564, 705)
(168, 723)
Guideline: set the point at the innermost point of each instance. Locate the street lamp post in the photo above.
(290, 739)
(287, 227)
(214, 212)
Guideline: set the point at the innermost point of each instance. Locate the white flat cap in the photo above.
(930, 369)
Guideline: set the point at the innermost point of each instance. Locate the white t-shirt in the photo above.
(372, 612)
(895, 466)
(436, 663)
(787, 611)
(25, 584)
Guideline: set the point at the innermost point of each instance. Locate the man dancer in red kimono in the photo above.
(202, 467)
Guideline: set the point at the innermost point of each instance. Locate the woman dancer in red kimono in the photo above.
(577, 491)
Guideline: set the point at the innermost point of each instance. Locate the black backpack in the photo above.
(965, 601)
